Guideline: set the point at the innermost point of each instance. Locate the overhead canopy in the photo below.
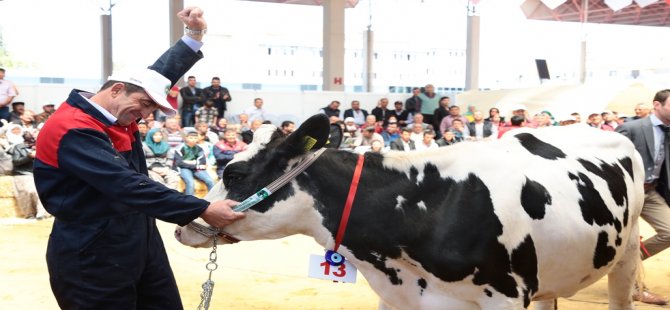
(349, 3)
(641, 13)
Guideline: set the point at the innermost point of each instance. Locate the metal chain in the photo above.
(208, 286)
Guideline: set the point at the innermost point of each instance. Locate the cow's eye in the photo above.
(233, 173)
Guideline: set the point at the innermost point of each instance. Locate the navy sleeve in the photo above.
(88, 155)
(176, 61)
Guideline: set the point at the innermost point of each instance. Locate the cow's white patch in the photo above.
(261, 138)
(399, 201)
(421, 205)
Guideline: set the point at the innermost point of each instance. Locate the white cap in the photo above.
(152, 82)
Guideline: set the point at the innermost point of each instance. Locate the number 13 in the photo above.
(341, 271)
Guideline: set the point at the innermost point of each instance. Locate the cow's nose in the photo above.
(177, 234)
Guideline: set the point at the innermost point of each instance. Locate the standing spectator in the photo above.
(469, 114)
(356, 112)
(255, 112)
(609, 118)
(400, 114)
(226, 148)
(207, 113)
(413, 104)
(7, 94)
(404, 143)
(192, 99)
(441, 112)
(642, 110)
(454, 114)
(159, 159)
(287, 127)
(18, 107)
(648, 135)
(596, 121)
(248, 135)
(219, 94)
(495, 112)
(332, 109)
(480, 129)
(429, 102)
(448, 138)
(381, 112)
(390, 134)
(48, 110)
(191, 162)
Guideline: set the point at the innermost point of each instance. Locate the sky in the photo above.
(62, 37)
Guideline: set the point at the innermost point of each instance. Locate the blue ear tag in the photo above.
(333, 258)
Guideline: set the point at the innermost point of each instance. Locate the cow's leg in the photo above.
(621, 279)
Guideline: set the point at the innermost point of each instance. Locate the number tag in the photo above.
(319, 268)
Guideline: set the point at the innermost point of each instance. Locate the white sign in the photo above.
(319, 268)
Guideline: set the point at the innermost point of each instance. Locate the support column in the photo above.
(106, 38)
(582, 55)
(472, 50)
(176, 27)
(370, 51)
(333, 45)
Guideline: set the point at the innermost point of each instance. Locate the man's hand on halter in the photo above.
(220, 213)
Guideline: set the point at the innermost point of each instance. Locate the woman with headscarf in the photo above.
(159, 159)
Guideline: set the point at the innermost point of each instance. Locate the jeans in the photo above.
(4, 113)
(188, 174)
(187, 118)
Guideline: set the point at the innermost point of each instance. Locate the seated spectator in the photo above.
(208, 148)
(287, 127)
(248, 135)
(366, 137)
(428, 141)
(454, 114)
(349, 131)
(48, 109)
(448, 138)
(221, 126)
(27, 121)
(480, 129)
(417, 132)
(243, 123)
(400, 113)
(332, 109)
(159, 159)
(142, 128)
(516, 121)
(226, 148)
(191, 163)
(493, 112)
(404, 143)
(203, 129)
(207, 114)
(18, 107)
(22, 152)
(390, 134)
(371, 120)
(458, 128)
(356, 112)
(173, 132)
(377, 146)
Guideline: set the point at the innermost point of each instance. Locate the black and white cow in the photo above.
(536, 215)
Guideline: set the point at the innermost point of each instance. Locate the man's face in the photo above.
(478, 116)
(370, 119)
(202, 128)
(398, 106)
(405, 135)
(427, 138)
(258, 103)
(223, 123)
(384, 103)
(355, 105)
(448, 135)
(455, 111)
(191, 82)
(289, 128)
(172, 124)
(367, 133)
(430, 89)
(392, 128)
(335, 105)
(244, 118)
(255, 124)
(416, 92)
(19, 109)
(130, 107)
(216, 83)
(642, 110)
(48, 108)
(662, 111)
(418, 118)
(142, 128)
(417, 128)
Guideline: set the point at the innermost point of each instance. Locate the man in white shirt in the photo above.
(256, 112)
(7, 94)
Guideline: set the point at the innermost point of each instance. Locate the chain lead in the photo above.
(208, 286)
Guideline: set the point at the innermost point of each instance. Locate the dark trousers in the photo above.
(4, 113)
(118, 263)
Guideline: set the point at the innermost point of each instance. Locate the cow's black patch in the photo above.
(627, 164)
(524, 263)
(614, 177)
(594, 210)
(423, 284)
(488, 293)
(603, 253)
(538, 147)
(456, 236)
(534, 198)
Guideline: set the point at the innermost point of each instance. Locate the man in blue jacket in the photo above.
(105, 251)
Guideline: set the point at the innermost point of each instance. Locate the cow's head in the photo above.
(287, 211)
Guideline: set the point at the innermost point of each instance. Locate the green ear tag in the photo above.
(309, 143)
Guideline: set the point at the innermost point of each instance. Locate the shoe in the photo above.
(648, 297)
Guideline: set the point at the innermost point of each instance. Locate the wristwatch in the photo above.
(189, 31)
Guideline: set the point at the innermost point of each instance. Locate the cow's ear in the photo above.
(311, 135)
